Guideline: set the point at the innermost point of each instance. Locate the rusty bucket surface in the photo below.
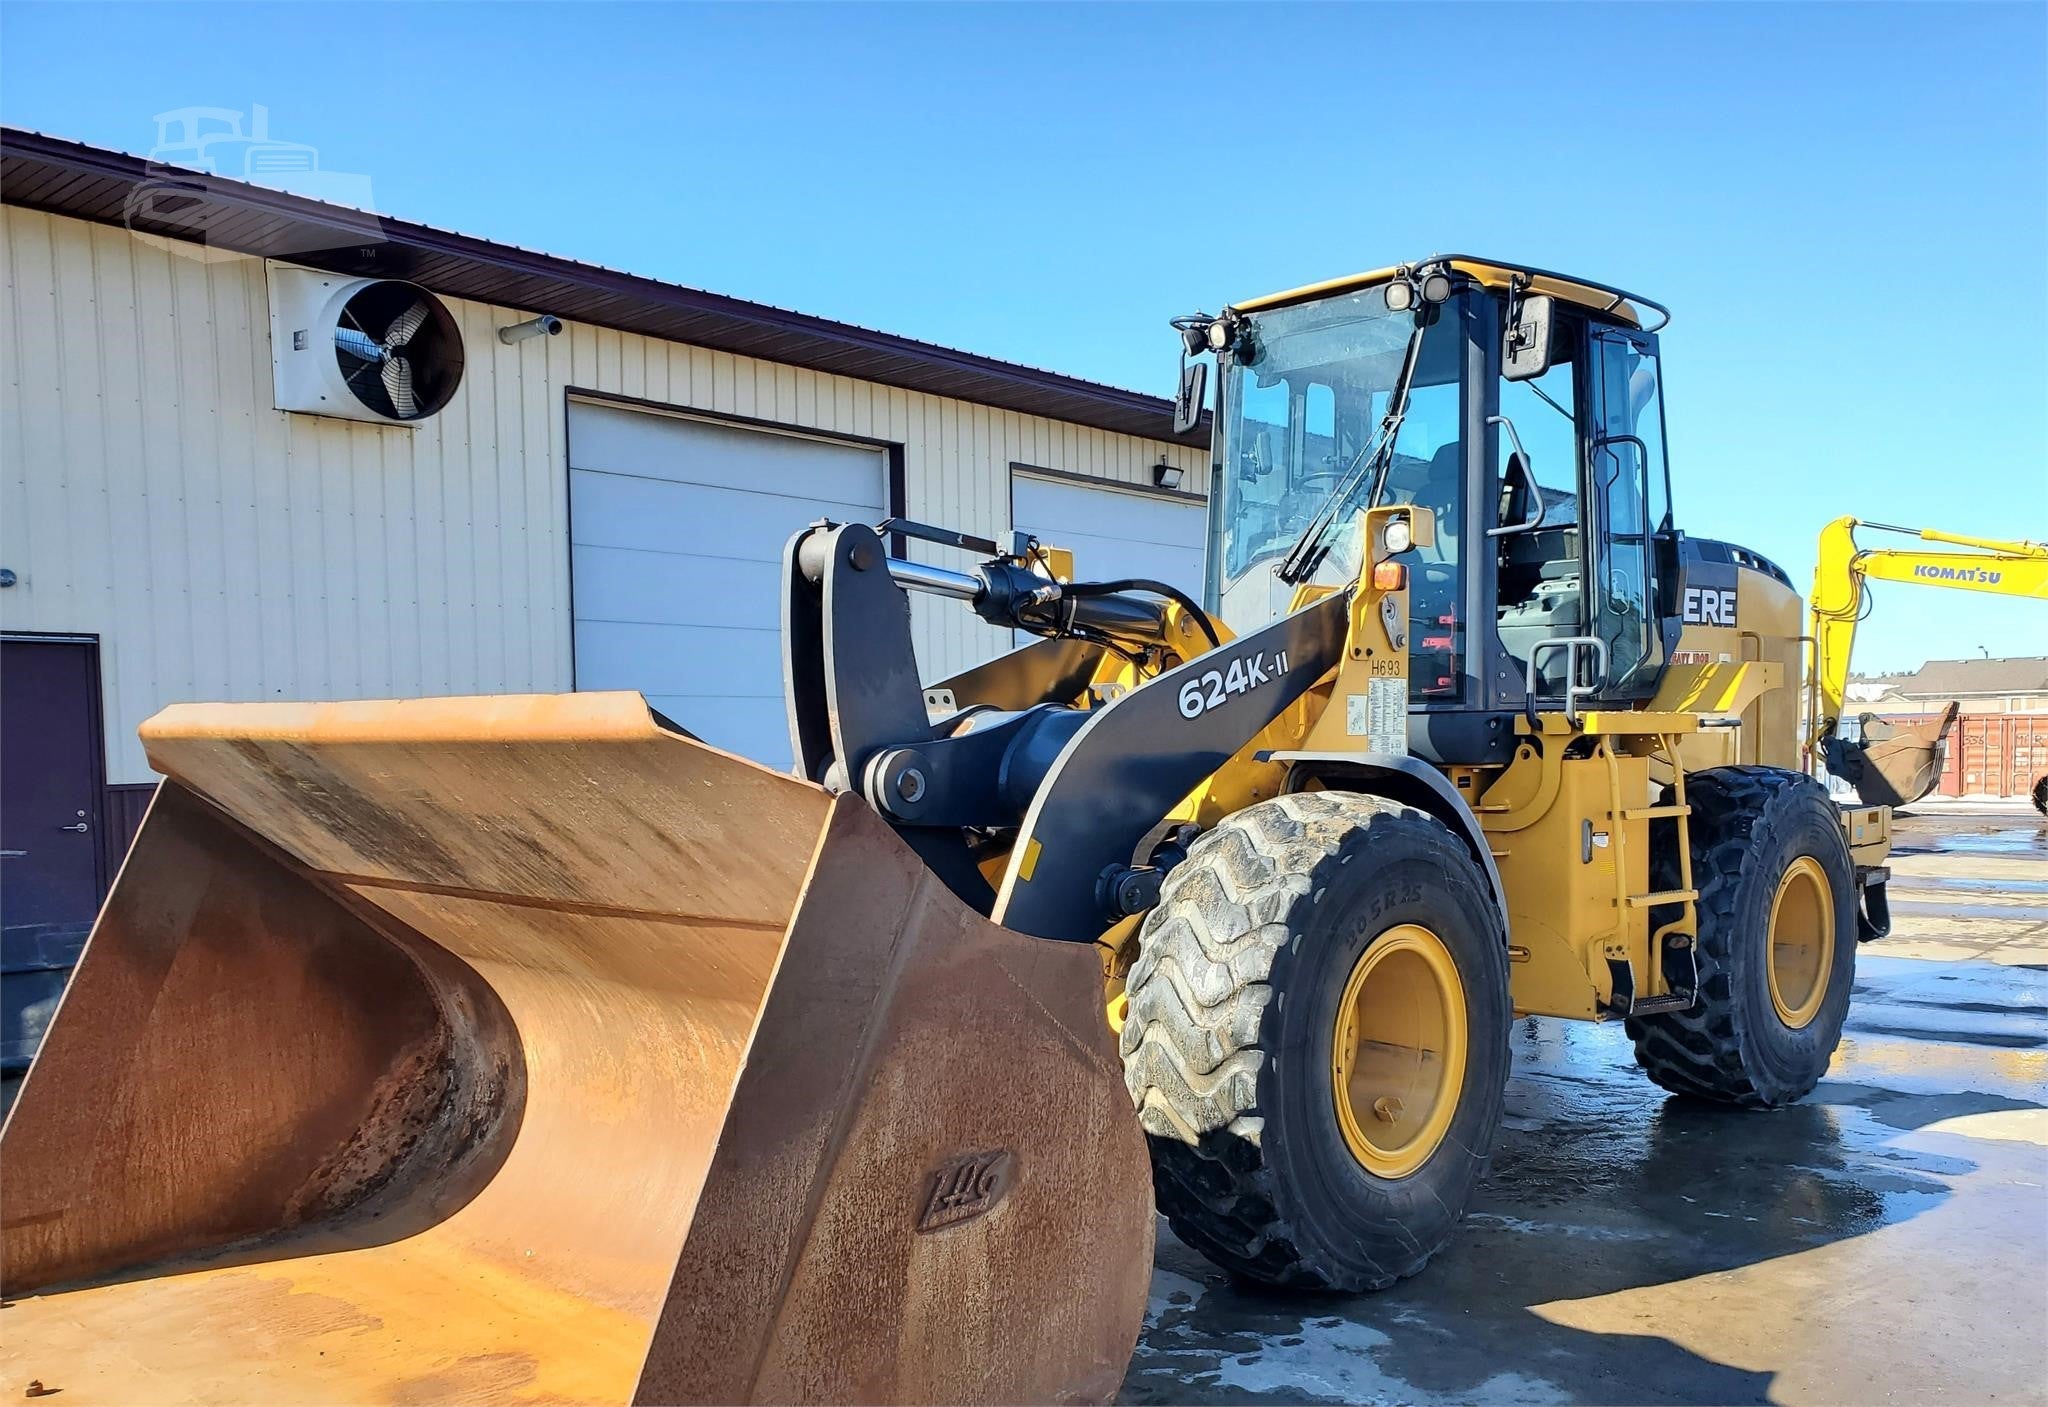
(519, 1050)
(1894, 764)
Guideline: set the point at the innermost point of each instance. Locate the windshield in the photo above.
(1303, 401)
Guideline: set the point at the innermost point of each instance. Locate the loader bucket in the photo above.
(522, 1050)
(1894, 764)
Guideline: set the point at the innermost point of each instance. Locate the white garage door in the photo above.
(676, 535)
(1113, 532)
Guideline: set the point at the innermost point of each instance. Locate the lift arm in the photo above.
(1841, 575)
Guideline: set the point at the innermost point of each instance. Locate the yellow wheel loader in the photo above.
(528, 1050)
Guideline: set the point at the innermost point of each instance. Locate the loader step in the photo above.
(1656, 1006)
(1662, 896)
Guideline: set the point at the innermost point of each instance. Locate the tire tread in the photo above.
(1700, 1052)
(1193, 1041)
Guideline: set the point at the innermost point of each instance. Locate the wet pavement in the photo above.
(1884, 1241)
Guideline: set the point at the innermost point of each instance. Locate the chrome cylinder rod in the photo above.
(919, 576)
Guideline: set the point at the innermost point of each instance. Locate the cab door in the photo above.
(1627, 498)
(1537, 537)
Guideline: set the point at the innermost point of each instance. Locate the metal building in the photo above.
(597, 509)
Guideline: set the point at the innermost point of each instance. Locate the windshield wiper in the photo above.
(1309, 550)
(1545, 395)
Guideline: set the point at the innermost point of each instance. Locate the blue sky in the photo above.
(1845, 205)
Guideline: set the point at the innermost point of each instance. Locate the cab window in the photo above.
(1428, 468)
(1627, 460)
(1539, 561)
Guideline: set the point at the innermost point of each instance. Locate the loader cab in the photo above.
(1584, 537)
(1550, 489)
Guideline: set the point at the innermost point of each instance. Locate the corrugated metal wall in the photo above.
(222, 549)
(1996, 754)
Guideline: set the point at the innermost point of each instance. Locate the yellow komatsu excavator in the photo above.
(1896, 764)
(528, 1050)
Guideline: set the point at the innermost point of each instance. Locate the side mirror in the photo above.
(1187, 405)
(1525, 350)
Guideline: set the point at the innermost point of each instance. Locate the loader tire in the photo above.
(1282, 916)
(1777, 941)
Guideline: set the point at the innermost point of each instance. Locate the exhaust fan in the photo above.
(375, 349)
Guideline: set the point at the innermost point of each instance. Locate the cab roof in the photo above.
(1630, 308)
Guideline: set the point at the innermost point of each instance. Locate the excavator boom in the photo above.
(1900, 763)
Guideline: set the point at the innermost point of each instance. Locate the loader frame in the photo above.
(416, 1029)
(1555, 789)
(942, 773)
(860, 722)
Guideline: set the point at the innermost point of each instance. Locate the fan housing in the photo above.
(373, 349)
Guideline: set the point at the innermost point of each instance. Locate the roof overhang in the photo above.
(154, 200)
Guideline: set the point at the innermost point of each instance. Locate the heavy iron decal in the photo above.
(966, 1188)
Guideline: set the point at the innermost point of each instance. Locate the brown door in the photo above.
(50, 771)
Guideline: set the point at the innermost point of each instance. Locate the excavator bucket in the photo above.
(1894, 764)
(523, 1050)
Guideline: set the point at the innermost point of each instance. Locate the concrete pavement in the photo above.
(1885, 1241)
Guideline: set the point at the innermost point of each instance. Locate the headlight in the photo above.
(1219, 336)
(1399, 536)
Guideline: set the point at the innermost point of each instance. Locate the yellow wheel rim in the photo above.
(1397, 1060)
(1802, 937)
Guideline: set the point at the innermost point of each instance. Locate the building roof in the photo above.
(1956, 678)
(110, 187)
